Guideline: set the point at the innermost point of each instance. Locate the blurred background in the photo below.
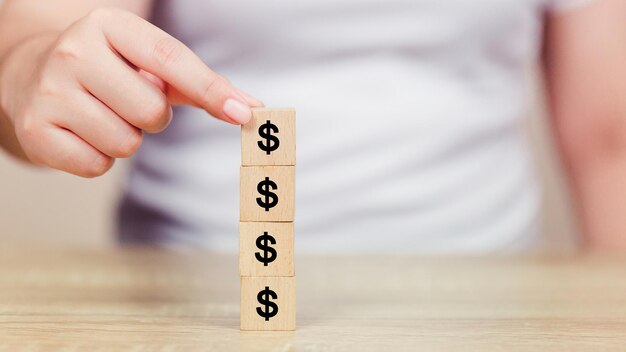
(53, 208)
(49, 207)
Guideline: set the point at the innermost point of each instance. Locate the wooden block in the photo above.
(266, 249)
(269, 138)
(268, 303)
(267, 193)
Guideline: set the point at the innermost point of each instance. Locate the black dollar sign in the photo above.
(271, 142)
(262, 244)
(264, 189)
(271, 308)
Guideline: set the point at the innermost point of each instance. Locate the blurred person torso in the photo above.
(409, 124)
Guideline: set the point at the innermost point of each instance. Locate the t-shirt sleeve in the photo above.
(564, 5)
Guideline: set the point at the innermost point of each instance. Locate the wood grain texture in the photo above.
(285, 121)
(154, 300)
(282, 233)
(285, 300)
(283, 177)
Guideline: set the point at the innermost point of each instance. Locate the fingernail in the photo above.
(237, 111)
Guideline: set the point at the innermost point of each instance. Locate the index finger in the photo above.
(153, 50)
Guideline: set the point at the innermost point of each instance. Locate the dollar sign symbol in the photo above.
(271, 308)
(262, 244)
(271, 142)
(264, 189)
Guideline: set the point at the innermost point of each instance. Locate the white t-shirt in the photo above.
(409, 133)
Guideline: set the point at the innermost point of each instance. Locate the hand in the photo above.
(80, 98)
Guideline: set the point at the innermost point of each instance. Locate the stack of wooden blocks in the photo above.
(266, 231)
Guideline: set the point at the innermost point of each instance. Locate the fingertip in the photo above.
(101, 164)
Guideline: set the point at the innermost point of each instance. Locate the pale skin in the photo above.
(585, 70)
(81, 84)
(80, 81)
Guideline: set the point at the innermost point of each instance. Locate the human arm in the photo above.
(585, 69)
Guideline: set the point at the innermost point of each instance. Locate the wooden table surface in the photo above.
(144, 300)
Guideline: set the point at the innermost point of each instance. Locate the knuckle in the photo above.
(208, 93)
(28, 129)
(166, 51)
(66, 49)
(100, 14)
(31, 137)
(47, 87)
(130, 145)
